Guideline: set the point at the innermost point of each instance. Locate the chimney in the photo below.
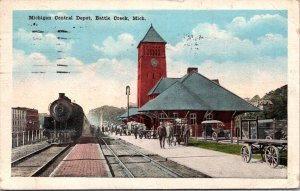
(216, 81)
(61, 95)
(190, 70)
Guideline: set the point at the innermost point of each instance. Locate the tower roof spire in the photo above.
(152, 36)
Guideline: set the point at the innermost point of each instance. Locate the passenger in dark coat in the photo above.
(135, 131)
(162, 133)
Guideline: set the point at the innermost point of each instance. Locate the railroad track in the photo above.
(36, 162)
(131, 170)
(125, 169)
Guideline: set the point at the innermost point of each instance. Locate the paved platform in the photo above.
(213, 163)
(84, 160)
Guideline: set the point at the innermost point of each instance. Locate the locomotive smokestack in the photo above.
(61, 95)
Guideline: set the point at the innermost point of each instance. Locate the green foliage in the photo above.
(215, 146)
(110, 114)
(279, 108)
(256, 98)
(276, 111)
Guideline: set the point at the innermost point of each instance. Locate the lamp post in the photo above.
(127, 93)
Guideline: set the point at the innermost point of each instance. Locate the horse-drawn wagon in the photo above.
(181, 131)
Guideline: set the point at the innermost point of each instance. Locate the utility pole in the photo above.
(127, 93)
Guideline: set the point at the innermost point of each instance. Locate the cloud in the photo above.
(123, 43)
(37, 62)
(48, 43)
(91, 85)
(257, 25)
(208, 41)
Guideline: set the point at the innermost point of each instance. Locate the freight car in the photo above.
(66, 120)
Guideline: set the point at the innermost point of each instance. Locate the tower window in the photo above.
(153, 76)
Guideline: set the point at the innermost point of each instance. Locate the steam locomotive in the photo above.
(66, 120)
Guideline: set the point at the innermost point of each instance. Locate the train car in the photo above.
(66, 121)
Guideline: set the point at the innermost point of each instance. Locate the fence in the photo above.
(27, 137)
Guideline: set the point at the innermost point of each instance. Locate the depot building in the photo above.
(193, 96)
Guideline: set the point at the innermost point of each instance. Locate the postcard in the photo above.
(149, 94)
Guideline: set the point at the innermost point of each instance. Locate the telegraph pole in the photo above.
(127, 93)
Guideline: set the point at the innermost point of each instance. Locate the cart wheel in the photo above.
(246, 153)
(214, 136)
(272, 156)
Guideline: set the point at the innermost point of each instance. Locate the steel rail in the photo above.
(19, 160)
(155, 163)
(41, 169)
(127, 171)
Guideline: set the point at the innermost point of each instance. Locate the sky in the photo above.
(245, 50)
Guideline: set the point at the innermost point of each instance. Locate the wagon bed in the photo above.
(265, 142)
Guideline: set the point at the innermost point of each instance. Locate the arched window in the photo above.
(193, 118)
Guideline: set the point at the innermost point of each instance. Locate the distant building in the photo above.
(24, 119)
(264, 104)
(261, 104)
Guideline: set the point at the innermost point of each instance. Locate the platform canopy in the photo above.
(132, 112)
(195, 92)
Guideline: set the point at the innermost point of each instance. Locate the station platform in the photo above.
(84, 160)
(212, 163)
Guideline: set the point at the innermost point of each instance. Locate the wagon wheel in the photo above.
(272, 156)
(246, 153)
(214, 136)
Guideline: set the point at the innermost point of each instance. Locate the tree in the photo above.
(256, 98)
(279, 108)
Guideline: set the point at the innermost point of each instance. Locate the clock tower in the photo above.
(151, 64)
